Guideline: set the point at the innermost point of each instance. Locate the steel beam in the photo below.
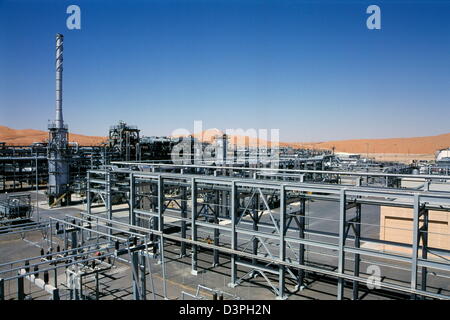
(234, 214)
(341, 244)
(282, 244)
(193, 225)
(415, 243)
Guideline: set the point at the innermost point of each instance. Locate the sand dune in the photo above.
(413, 146)
(416, 145)
(26, 137)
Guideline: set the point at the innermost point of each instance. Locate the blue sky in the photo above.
(310, 68)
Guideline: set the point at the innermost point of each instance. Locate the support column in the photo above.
(216, 230)
(97, 291)
(134, 275)
(55, 277)
(160, 215)
(255, 213)
(301, 253)
(2, 289)
(183, 222)
(161, 230)
(357, 258)
(424, 234)
(132, 200)
(225, 209)
(55, 294)
(153, 206)
(194, 226)
(415, 243)
(282, 268)
(74, 241)
(234, 213)
(20, 289)
(88, 193)
(341, 257)
(142, 275)
(109, 200)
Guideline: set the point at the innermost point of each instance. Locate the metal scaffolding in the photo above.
(250, 222)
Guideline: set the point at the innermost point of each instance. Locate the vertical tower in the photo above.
(124, 141)
(221, 149)
(58, 151)
(59, 122)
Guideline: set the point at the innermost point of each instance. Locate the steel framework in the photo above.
(251, 223)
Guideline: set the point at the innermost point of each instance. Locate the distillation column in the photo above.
(58, 151)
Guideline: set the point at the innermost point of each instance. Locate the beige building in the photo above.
(396, 224)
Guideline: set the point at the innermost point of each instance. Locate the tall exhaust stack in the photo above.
(59, 121)
(58, 153)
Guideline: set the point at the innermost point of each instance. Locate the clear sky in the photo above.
(310, 68)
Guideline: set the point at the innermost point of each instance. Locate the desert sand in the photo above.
(26, 137)
(416, 145)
